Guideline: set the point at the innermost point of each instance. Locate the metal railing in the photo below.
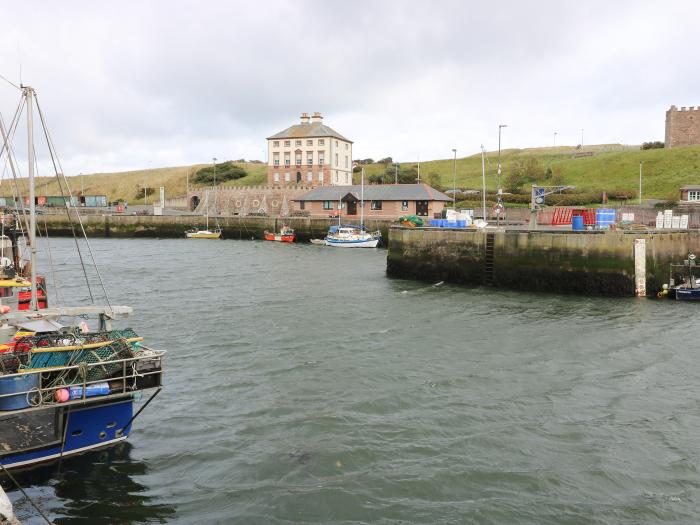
(44, 396)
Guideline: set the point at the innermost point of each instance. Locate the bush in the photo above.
(139, 193)
(385, 160)
(224, 171)
(657, 144)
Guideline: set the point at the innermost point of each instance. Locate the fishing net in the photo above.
(70, 350)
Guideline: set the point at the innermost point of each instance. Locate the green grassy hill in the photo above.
(128, 184)
(611, 167)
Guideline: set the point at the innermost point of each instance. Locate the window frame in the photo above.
(375, 205)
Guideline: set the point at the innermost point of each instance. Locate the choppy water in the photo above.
(303, 386)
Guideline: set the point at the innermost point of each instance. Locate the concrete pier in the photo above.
(591, 263)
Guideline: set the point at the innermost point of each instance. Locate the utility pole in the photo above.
(500, 126)
(641, 163)
(454, 180)
(483, 183)
(582, 138)
(555, 139)
(396, 172)
(418, 169)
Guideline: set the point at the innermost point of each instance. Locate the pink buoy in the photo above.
(62, 395)
(4, 309)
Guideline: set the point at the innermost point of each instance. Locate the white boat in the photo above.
(353, 236)
(203, 234)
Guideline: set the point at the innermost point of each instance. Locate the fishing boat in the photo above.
(286, 234)
(350, 236)
(14, 265)
(69, 378)
(689, 287)
(206, 233)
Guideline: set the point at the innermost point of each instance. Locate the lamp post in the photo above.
(555, 139)
(215, 194)
(500, 126)
(483, 183)
(581, 138)
(396, 172)
(641, 163)
(454, 179)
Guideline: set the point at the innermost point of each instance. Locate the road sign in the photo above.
(498, 208)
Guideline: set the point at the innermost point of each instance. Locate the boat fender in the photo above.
(4, 309)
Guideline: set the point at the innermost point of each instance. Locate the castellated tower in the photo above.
(682, 126)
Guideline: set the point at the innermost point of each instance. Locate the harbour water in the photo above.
(304, 386)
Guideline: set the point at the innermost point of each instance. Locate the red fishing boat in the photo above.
(285, 235)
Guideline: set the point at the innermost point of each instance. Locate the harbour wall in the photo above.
(174, 226)
(589, 263)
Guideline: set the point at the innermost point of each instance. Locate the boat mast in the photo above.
(206, 207)
(362, 199)
(29, 98)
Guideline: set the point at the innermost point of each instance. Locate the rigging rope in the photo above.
(59, 171)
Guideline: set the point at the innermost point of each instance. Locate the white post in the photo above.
(29, 96)
(640, 267)
(640, 182)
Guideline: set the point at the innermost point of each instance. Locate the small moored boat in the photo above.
(203, 234)
(689, 287)
(286, 234)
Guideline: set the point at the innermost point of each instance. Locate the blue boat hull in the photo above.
(687, 294)
(94, 425)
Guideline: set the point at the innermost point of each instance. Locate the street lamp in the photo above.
(500, 126)
(454, 179)
(640, 182)
(396, 172)
(483, 183)
(214, 166)
(555, 139)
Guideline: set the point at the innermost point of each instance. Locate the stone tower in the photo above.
(682, 126)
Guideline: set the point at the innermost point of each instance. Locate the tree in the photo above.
(385, 160)
(219, 173)
(657, 144)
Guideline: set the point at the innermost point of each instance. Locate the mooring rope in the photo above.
(24, 493)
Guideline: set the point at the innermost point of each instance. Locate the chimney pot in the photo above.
(304, 118)
(317, 117)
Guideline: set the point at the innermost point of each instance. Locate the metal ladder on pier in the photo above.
(488, 259)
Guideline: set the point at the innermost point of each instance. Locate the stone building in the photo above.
(682, 126)
(309, 153)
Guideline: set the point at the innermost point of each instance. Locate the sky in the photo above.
(144, 84)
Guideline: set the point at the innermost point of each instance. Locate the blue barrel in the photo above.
(461, 224)
(10, 385)
(577, 223)
(451, 224)
(604, 218)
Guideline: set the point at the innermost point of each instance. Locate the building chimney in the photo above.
(316, 117)
(304, 118)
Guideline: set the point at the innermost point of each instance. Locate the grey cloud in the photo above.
(169, 82)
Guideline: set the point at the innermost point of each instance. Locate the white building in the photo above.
(310, 154)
